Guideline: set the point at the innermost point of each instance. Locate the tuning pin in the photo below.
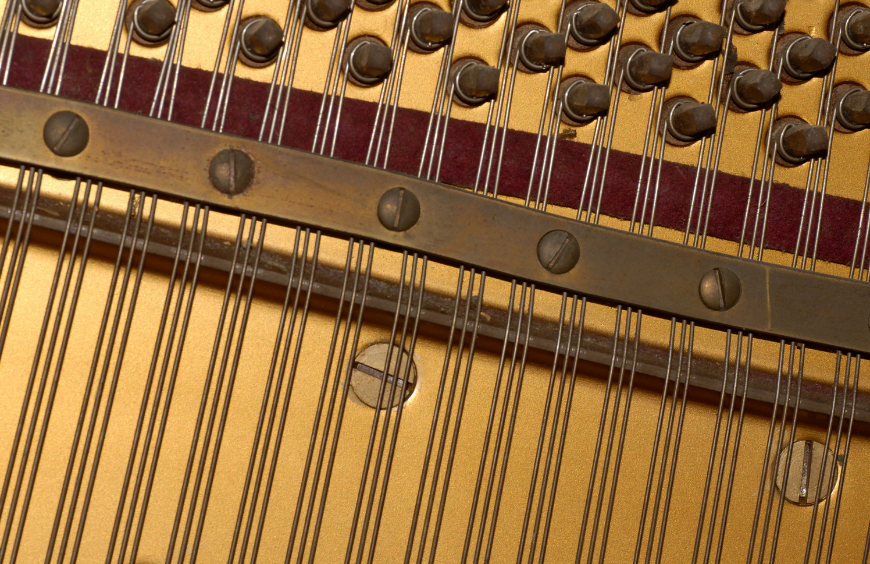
(647, 69)
(431, 28)
(593, 23)
(261, 41)
(41, 13)
(753, 88)
(484, 10)
(799, 142)
(209, 5)
(856, 30)
(853, 110)
(326, 14)
(650, 6)
(540, 50)
(476, 83)
(696, 40)
(583, 100)
(756, 15)
(689, 120)
(808, 56)
(151, 21)
(370, 62)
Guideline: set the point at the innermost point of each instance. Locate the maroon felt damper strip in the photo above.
(464, 140)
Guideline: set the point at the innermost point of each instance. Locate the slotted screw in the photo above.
(755, 15)
(432, 28)
(399, 209)
(802, 141)
(646, 69)
(542, 50)
(585, 99)
(558, 251)
(231, 171)
(691, 120)
(720, 289)
(797, 474)
(594, 23)
(66, 134)
(752, 88)
(368, 377)
(698, 39)
(854, 109)
(476, 83)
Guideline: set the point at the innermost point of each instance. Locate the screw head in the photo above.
(152, 20)
(66, 134)
(594, 23)
(399, 209)
(327, 14)
(542, 50)
(476, 83)
(558, 251)
(647, 69)
(802, 141)
(809, 461)
(231, 171)
(262, 37)
(758, 14)
(432, 28)
(584, 99)
(855, 109)
(719, 289)
(808, 56)
(753, 88)
(690, 120)
(367, 376)
(484, 10)
(370, 61)
(698, 39)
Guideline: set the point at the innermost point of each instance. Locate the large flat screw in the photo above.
(540, 50)
(484, 10)
(853, 111)
(696, 40)
(326, 14)
(752, 88)
(720, 289)
(262, 39)
(808, 56)
(584, 99)
(231, 172)
(755, 15)
(593, 23)
(370, 381)
(432, 28)
(558, 251)
(370, 62)
(399, 209)
(151, 20)
(476, 83)
(806, 472)
(690, 120)
(799, 142)
(66, 134)
(647, 69)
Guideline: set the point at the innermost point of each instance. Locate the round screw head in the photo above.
(433, 28)
(542, 50)
(585, 99)
(262, 38)
(484, 10)
(370, 62)
(691, 120)
(755, 87)
(154, 18)
(328, 13)
(809, 55)
(699, 39)
(369, 380)
(476, 83)
(593, 23)
(648, 68)
(719, 289)
(66, 134)
(855, 109)
(399, 209)
(799, 468)
(802, 141)
(558, 251)
(858, 29)
(760, 13)
(231, 172)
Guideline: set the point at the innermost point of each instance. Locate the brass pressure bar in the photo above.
(287, 185)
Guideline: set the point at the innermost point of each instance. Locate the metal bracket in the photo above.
(453, 224)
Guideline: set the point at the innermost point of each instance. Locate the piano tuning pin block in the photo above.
(484, 11)
(261, 40)
(806, 57)
(752, 88)
(853, 109)
(757, 15)
(583, 100)
(646, 69)
(431, 27)
(150, 21)
(475, 82)
(688, 121)
(695, 40)
(593, 24)
(798, 142)
(856, 30)
(41, 13)
(323, 15)
(540, 50)
(369, 61)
